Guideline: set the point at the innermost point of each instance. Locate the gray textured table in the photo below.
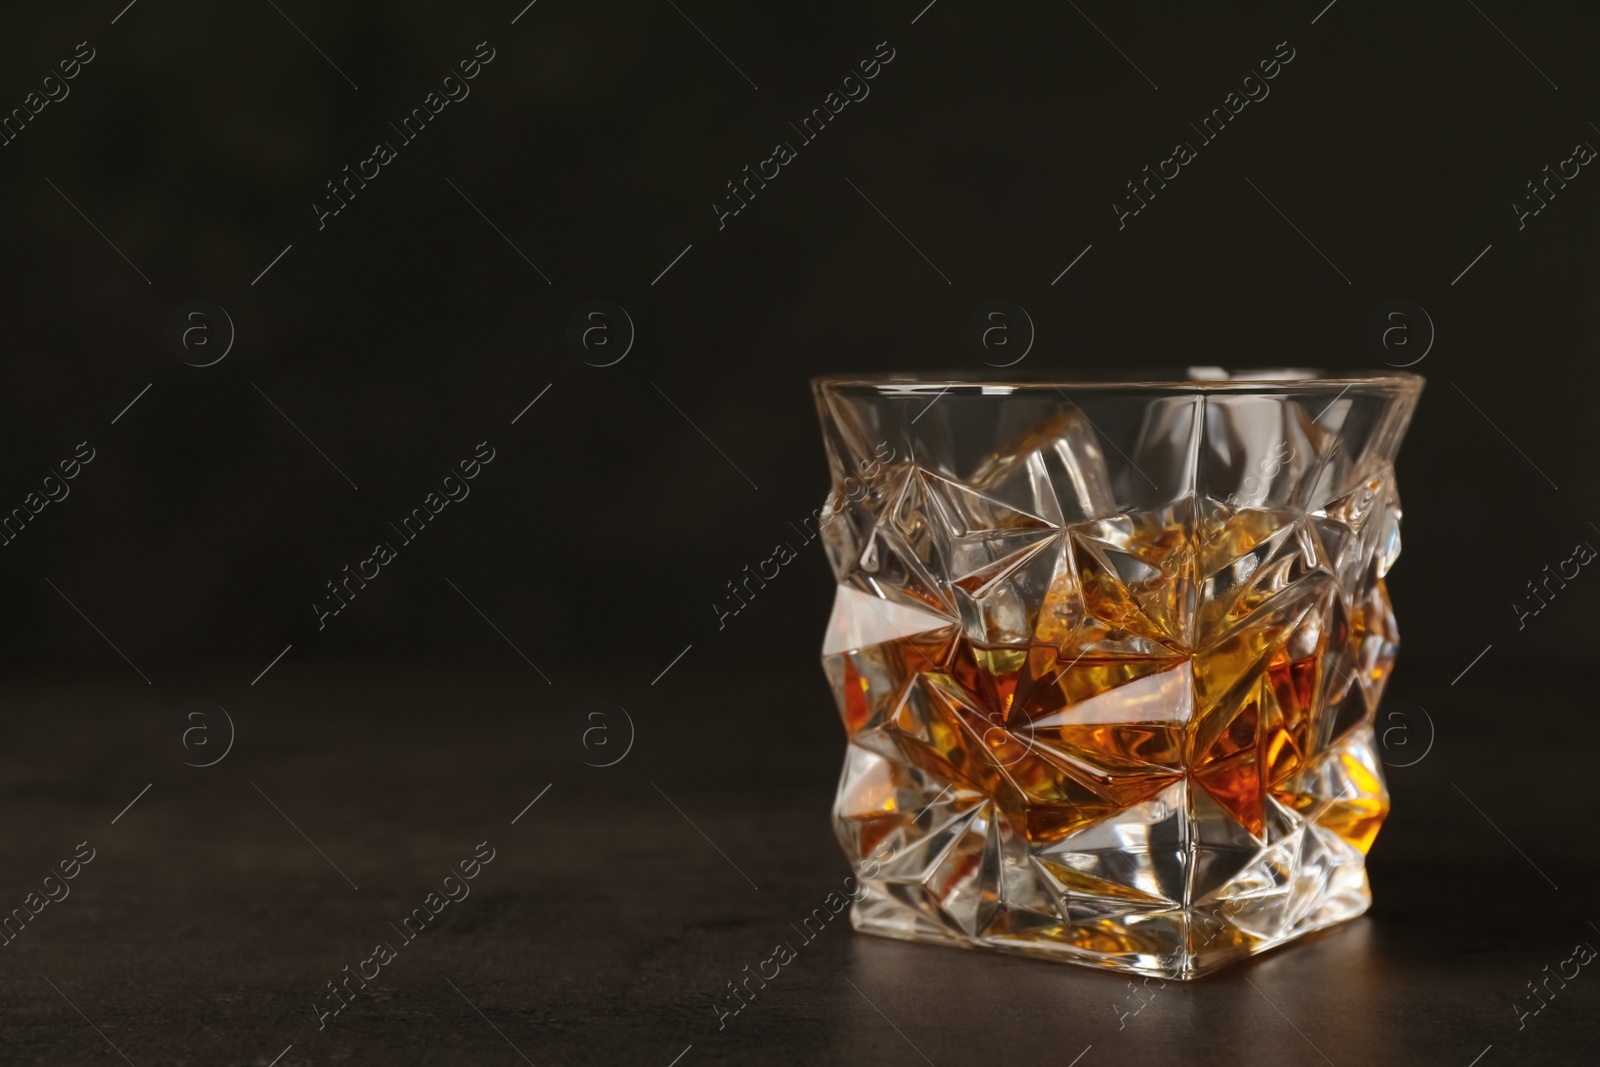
(218, 908)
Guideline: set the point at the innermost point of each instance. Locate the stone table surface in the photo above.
(217, 907)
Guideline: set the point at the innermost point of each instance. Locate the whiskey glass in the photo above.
(1108, 655)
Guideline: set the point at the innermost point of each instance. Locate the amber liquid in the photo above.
(1230, 663)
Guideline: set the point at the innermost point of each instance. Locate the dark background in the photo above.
(408, 330)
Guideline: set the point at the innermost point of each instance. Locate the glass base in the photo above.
(1171, 888)
(1177, 944)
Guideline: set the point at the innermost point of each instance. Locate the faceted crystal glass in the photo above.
(1108, 655)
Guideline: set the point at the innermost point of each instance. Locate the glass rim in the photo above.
(1166, 379)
